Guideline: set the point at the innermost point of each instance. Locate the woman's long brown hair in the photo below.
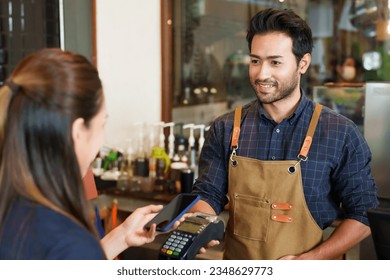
(45, 93)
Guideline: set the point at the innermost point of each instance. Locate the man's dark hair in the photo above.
(287, 22)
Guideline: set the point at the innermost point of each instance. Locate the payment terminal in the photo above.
(194, 233)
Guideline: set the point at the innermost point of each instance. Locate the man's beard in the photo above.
(282, 91)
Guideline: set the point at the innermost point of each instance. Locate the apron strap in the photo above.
(310, 132)
(306, 143)
(236, 128)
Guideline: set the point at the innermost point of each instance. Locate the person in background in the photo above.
(286, 167)
(347, 70)
(52, 118)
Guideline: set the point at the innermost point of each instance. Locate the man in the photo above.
(287, 168)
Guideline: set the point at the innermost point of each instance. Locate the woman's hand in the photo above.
(131, 232)
(133, 227)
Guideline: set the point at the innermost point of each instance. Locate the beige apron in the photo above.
(268, 215)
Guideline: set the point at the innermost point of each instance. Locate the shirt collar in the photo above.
(293, 118)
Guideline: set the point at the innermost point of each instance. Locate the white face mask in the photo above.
(348, 73)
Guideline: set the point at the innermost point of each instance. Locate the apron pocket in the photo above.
(251, 217)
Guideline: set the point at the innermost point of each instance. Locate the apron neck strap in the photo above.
(306, 143)
(310, 132)
(236, 128)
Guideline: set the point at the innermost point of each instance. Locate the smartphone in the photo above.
(173, 211)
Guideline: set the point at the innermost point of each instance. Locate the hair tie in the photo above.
(14, 87)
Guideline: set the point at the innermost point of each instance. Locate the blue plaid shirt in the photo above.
(336, 173)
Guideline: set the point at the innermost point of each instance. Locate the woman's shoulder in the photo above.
(47, 234)
(67, 238)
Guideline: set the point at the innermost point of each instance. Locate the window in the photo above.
(26, 26)
(209, 55)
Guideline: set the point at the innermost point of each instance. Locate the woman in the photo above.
(52, 117)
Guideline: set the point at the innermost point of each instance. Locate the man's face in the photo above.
(273, 71)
